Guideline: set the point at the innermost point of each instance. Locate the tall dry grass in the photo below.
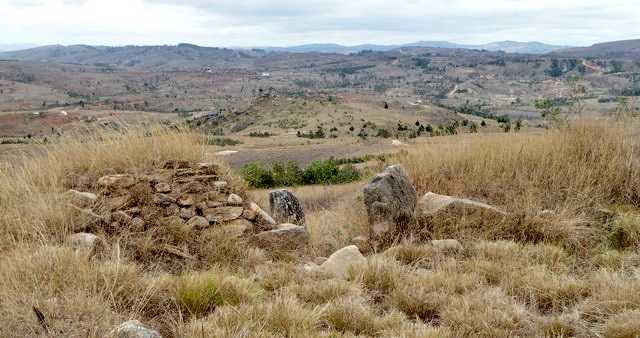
(501, 286)
(32, 206)
(586, 165)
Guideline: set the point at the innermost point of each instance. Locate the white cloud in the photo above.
(286, 22)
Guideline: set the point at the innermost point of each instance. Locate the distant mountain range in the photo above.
(626, 49)
(189, 56)
(503, 46)
(16, 46)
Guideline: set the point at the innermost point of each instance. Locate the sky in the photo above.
(248, 23)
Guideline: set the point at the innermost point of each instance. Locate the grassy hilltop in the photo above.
(562, 263)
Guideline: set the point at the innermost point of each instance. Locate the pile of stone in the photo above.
(194, 197)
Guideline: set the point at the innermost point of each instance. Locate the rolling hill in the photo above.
(626, 49)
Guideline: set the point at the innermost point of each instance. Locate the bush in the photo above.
(329, 171)
(222, 141)
(260, 134)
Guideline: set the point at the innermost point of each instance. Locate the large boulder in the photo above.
(133, 329)
(431, 205)
(285, 207)
(390, 199)
(339, 263)
(286, 237)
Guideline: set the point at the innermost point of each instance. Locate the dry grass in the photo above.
(574, 273)
(32, 207)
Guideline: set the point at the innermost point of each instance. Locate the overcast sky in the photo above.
(291, 22)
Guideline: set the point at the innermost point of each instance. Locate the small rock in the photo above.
(220, 185)
(82, 199)
(163, 199)
(176, 164)
(198, 222)
(208, 168)
(223, 214)
(120, 217)
(213, 204)
(133, 329)
(234, 199)
(186, 213)
(285, 237)
(184, 172)
(215, 196)
(171, 221)
(342, 260)
(193, 188)
(114, 182)
(137, 224)
(255, 213)
(163, 188)
(447, 245)
(84, 242)
(285, 207)
(117, 202)
(185, 201)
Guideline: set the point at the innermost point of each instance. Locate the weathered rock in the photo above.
(339, 263)
(137, 224)
(133, 329)
(176, 164)
(114, 182)
(214, 204)
(82, 199)
(186, 213)
(208, 168)
(163, 199)
(85, 243)
(186, 201)
(184, 172)
(90, 216)
(363, 244)
(390, 200)
(220, 185)
(193, 187)
(432, 205)
(285, 237)
(120, 217)
(234, 199)
(198, 222)
(171, 221)
(117, 202)
(163, 188)
(254, 213)
(223, 214)
(285, 207)
(447, 244)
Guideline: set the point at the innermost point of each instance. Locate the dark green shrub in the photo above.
(221, 141)
(329, 171)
